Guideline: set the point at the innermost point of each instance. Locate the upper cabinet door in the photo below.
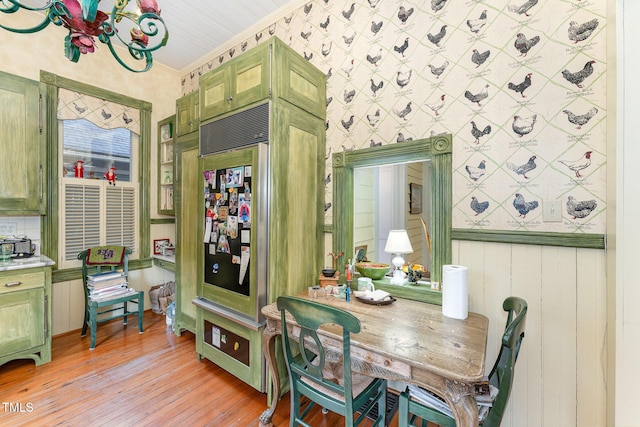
(21, 163)
(240, 82)
(187, 114)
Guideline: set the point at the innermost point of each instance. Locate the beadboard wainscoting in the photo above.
(560, 376)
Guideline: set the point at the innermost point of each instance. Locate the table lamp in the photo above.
(398, 243)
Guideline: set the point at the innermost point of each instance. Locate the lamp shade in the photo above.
(398, 242)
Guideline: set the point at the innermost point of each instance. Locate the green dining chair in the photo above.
(108, 301)
(501, 376)
(311, 375)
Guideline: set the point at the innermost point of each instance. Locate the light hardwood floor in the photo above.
(153, 379)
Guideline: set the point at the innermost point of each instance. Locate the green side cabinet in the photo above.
(25, 315)
(228, 331)
(186, 198)
(22, 161)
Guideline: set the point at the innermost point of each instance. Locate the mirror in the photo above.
(389, 197)
(436, 202)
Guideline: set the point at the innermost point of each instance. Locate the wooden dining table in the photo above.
(406, 341)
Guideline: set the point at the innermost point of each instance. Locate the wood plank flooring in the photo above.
(132, 379)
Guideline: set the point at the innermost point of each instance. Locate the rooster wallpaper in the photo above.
(519, 83)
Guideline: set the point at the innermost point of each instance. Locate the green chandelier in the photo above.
(146, 30)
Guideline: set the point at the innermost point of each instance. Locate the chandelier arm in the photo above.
(138, 56)
(146, 23)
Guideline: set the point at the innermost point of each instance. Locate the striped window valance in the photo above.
(105, 114)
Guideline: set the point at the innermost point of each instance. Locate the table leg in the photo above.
(464, 406)
(269, 334)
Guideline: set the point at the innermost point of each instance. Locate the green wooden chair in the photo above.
(310, 374)
(116, 306)
(501, 376)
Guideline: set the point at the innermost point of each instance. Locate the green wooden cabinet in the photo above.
(25, 315)
(271, 72)
(186, 199)
(165, 166)
(269, 69)
(238, 83)
(187, 114)
(22, 161)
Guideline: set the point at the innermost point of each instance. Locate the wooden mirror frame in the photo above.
(437, 149)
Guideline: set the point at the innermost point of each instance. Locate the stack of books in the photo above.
(108, 285)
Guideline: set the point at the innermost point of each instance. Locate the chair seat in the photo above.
(359, 383)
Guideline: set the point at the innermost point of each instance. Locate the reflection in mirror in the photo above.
(372, 194)
(386, 198)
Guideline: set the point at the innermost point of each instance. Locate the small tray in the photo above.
(388, 301)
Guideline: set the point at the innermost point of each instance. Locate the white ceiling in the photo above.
(196, 27)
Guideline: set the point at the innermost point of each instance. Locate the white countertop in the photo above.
(167, 258)
(31, 262)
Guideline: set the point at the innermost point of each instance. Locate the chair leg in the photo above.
(93, 320)
(140, 311)
(84, 323)
(403, 410)
(126, 310)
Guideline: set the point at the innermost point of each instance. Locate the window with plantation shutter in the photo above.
(97, 211)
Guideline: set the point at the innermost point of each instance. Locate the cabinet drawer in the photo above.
(21, 281)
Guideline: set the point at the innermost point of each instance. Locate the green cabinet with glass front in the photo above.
(22, 162)
(165, 166)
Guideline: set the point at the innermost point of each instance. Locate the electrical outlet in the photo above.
(551, 211)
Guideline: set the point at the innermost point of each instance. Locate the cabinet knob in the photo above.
(229, 99)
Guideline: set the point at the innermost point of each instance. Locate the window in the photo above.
(95, 211)
(80, 212)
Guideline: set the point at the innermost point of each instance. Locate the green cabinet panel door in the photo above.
(25, 315)
(240, 82)
(187, 114)
(187, 220)
(21, 162)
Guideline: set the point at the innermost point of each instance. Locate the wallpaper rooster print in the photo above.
(520, 84)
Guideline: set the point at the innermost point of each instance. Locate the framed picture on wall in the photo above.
(158, 244)
(415, 204)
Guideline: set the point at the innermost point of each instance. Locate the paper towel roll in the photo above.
(455, 291)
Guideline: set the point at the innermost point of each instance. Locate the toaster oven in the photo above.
(20, 247)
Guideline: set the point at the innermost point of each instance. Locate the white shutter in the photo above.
(95, 214)
(120, 224)
(81, 218)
